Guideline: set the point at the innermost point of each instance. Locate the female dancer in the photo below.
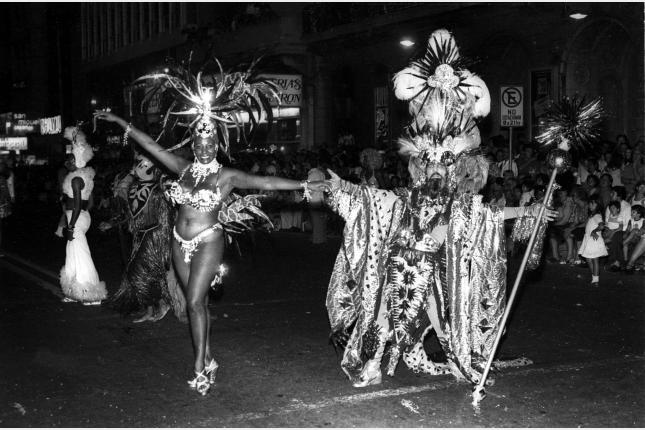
(78, 277)
(202, 187)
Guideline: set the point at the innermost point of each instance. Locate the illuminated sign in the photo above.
(13, 143)
(290, 87)
(51, 125)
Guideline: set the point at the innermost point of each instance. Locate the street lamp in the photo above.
(406, 42)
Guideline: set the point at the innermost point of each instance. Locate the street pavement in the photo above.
(68, 365)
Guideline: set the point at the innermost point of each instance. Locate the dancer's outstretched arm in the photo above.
(173, 162)
(241, 180)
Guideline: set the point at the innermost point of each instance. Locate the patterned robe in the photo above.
(383, 290)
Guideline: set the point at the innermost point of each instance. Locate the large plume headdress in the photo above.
(441, 72)
(444, 99)
(82, 150)
(209, 105)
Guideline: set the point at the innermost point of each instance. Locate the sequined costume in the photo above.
(431, 256)
(149, 279)
(381, 275)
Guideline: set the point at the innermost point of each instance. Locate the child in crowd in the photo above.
(635, 230)
(614, 223)
(593, 246)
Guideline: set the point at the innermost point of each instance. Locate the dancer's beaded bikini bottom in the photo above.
(188, 247)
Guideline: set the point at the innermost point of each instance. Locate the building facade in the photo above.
(342, 56)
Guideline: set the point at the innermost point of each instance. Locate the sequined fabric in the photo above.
(461, 285)
(371, 215)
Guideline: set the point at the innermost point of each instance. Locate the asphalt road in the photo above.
(67, 365)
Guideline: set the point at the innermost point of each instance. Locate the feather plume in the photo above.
(227, 100)
(574, 120)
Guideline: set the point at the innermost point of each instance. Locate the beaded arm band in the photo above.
(126, 133)
(306, 194)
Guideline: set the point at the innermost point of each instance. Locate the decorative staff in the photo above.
(570, 122)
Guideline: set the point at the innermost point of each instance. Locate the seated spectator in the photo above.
(528, 191)
(638, 197)
(615, 236)
(634, 231)
(590, 185)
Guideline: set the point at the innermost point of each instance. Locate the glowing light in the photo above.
(578, 15)
(406, 42)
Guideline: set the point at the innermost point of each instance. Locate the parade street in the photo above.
(68, 365)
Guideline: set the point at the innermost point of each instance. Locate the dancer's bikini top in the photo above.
(203, 200)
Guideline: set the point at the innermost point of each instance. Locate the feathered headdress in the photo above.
(440, 73)
(209, 105)
(572, 120)
(82, 150)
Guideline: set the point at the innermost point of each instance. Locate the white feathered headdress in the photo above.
(82, 151)
(209, 105)
(444, 99)
(441, 71)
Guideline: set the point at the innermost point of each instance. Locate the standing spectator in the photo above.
(6, 198)
(527, 162)
(628, 174)
(556, 230)
(575, 232)
(497, 194)
(605, 189)
(615, 236)
(593, 247)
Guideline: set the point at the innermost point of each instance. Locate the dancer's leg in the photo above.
(203, 268)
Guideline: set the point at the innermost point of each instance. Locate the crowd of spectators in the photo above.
(612, 174)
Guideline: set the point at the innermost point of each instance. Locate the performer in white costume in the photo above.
(78, 277)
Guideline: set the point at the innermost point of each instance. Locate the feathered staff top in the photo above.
(209, 105)
(572, 122)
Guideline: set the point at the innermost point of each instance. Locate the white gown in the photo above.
(78, 277)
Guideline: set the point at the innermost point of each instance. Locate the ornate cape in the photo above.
(467, 294)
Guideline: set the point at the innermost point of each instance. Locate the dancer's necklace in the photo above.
(202, 171)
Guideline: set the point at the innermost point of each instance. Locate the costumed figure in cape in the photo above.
(78, 277)
(431, 256)
(149, 284)
(207, 106)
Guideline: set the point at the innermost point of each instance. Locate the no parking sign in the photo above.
(512, 106)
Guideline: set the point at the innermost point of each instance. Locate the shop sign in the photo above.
(13, 143)
(290, 87)
(512, 106)
(52, 125)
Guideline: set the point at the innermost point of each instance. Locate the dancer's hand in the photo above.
(68, 233)
(105, 116)
(550, 214)
(334, 183)
(317, 186)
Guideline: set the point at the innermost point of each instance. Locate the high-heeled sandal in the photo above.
(201, 383)
(211, 370)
